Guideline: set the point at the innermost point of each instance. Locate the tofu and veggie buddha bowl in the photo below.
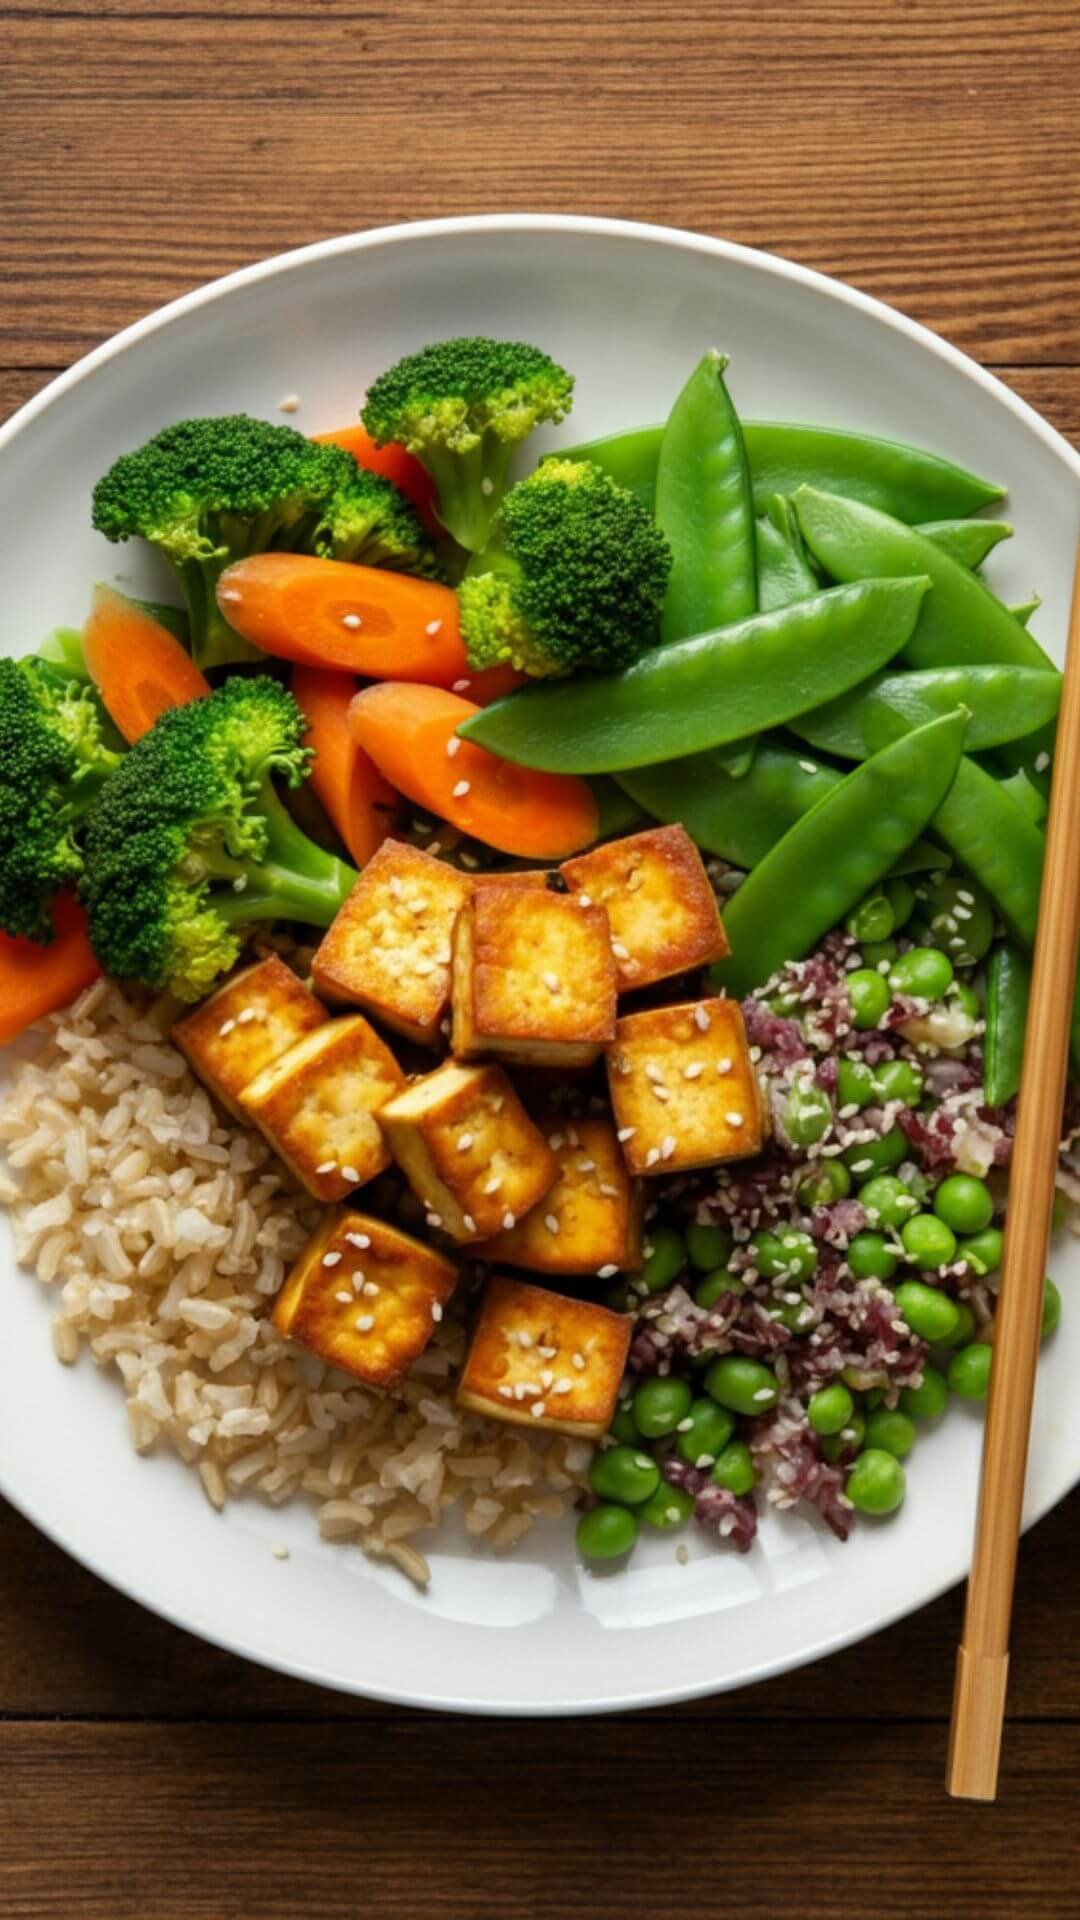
(518, 870)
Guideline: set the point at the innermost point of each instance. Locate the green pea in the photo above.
(899, 1080)
(606, 1533)
(924, 972)
(876, 1483)
(1051, 1313)
(799, 1254)
(710, 1290)
(710, 1429)
(830, 1181)
(744, 1385)
(930, 1314)
(847, 1443)
(960, 918)
(888, 1200)
(855, 1085)
(868, 996)
(877, 1156)
(872, 919)
(966, 999)
(668, 1507)
(875, 951)
(982, 1251)
(807, 1116)
(796, 1317)
(830, 1408)
(871, 1258)
(901, 897)
(964, 1331)
(624, 1474)
(969, 1371)
(764, 1250)
(734, 1468)
(891, 1430)
(964, 1203)
(623, 1428)
(664, 1262)
(659, 1405)
(928, 1241)
(708, 1247)
(929, 1398)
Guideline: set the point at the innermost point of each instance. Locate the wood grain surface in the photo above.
(929, 152)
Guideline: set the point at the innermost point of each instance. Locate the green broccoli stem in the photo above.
(471, 487)
(296, 881)
(213, 642)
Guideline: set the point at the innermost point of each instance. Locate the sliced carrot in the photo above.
(394, 464)
(350, 786)
(36, 980)
(411, 734)
(328, 613)
(138, 667)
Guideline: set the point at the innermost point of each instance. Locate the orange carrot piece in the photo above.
(350, 786)
(411, 734)
(328, 613)
(137, 666)
(394, 464)
(36, 980)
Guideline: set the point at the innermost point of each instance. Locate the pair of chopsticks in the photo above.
(982, 1664)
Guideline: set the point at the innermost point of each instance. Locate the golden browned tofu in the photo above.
(590, 1222)
(523, 877)
(538, 1359)
(683, 1087)
(317, 1106)
(663, 912)
(365, 1297)
(389, 948)
(468, 1148)
(245, 1025)
(534, 978)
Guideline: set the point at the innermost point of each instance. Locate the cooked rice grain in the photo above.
(166, 1235)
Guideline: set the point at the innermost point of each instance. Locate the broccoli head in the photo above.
(190, 841)
(574, 576)
(372, 523)
(53, 762)
(461, 408)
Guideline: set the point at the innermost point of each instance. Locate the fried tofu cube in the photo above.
(522, 877)
(468, 1148)
(534, 978)
(683, 1087)
(245, 1025)
(388, 950)
(590, 1222)
(317, 1106)
(663, 912)
(365, 1297)
(538, 1359)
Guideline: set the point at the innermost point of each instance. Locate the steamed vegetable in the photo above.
(138, 667)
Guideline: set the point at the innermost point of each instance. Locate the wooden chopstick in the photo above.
(983, 1658)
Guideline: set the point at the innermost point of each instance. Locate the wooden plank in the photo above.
(472, 1820)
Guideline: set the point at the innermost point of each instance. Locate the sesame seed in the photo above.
(652, 1071)
(652, 1156)
(963, 913)
(424, 967)
(360, 1240)
(538, 1409)
(547, 1353)
(701, 1020)
(436, 1311)
(351, 620)
(351, 1173)
(459, 686)
(620, 952)
(433, 627)
(659, 1092)
(1041, 762)
(289, 403)
(564, 1386)
(551, 982)
(734, 1119)
(331, 1259)
(693, 1070)
(684, 1426)
(607, 1270)
(577, 1360)
(861, 1166)
(487, 487)
(704, 1460)
(586, 1166)
(328, 1166)
(610, 1192)
(547, 1378)
(396, 888)
(343, 1297)
(370, 1288)
(358, 1282)
(230, 593)
(555, 1141)
(584, 899)
(507, 1392)
(461, 789)
(724, 1065)
(468, 1223)
(434, 1219)
(453, 746)
(967, 898)
(763, 1393)
(365, 1323)
(509, 1220)
(239, 885)
(625, 1133)
(465, 1141)
(279, 1550)
(667, 1146)
(248, 1014)
(493, 1185)
(808, 766)
(551, 1222)
(225, 1027)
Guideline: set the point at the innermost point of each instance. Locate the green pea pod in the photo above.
(616, 812)
(1025, 610)
(784, 570)
(705, 507)
(1026, 795)
(1004, 703)
(705, 691)
(1008, 986)
(899, 479)
(831, 858)
(921, 857)
(966, 541)
(739, 820)
(961, 622)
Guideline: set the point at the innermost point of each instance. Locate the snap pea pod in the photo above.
(966, 541)
(707, 690)
(902, 480)
(739, 820)
(616, 812)
(1027, 796)
(961, 622)
(1008, 986)
(830, 859)
(705, 507)
(1004, 703)
(1025, 610)
(784, 570)
(921, 857)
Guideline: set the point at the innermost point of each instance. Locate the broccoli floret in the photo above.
(370, 522)
(574, 576)
(462, 407)
(190, 841)
(208, 492)
(53, 763)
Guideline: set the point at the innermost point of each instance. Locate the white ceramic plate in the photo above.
(629, 309)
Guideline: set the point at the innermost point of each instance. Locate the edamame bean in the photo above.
(959, 917)
(871, 1258)
(928, 1241)
(734, 1468)
(887, 1201)
(744, 1385)
(924, 972)
(807, 1115)
(1051, 1312)
(830, 1181)
(659, 1405)
(929, 1312)
(868, 996)
(830, 1408)
(891, 1430)
(876, 1483)
(855, 1082)
(964, 1203)
(929, 1398)
(898, 1080)
(969, 1371)
(705, 507)
(872, 919)
(664, 1261)
(667, 1508)
(711, 1427)
(708, 1246)
(606, 1533)
(624, 1474)
(869, 1157)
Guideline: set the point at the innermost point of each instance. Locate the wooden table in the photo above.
(927, 152)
